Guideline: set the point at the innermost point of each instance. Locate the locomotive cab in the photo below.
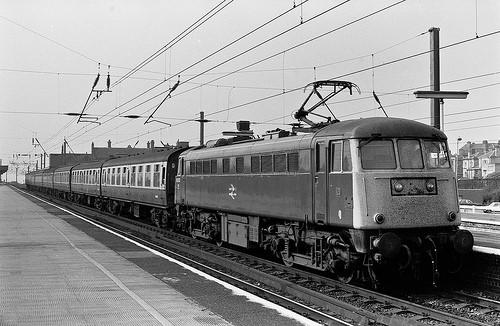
(390, 182)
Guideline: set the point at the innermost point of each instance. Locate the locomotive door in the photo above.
(340, 183)
(320, 182)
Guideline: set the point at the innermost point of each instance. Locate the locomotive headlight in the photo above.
(398, 187)
(430, 186)
(379, 218)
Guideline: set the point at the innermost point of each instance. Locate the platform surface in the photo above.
(54, 270)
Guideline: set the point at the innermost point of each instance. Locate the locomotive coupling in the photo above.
(462, 241)
(388, 244)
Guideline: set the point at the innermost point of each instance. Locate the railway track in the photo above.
(319, 298)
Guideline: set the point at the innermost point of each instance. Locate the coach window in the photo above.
(335, 156)
(156, 176)
(148, 176)
(192, 167)
(124, 176)
(113, 175)
(109, 176)
(140, 176)
(164, 175)
(118, 176)
(132, 176)
(225, 165)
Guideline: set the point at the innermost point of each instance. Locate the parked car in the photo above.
(467, 202)
(494, 207)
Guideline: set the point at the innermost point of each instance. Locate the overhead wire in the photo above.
(176, 39)
(405, 58)
(272, 56)
(224, 62)
(238, 39)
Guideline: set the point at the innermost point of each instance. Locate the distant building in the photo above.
(476, 161)
(490, 163)
(103, 153)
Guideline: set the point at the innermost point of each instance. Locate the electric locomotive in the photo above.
(358, 197)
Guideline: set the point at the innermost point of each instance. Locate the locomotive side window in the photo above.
(199, 167)
(255, 164)
(240, 166)
(213, 166)
(335, 156)
(206, 167)
(266, 162)
(293, 162)
(279, 162)
(378, 155)
(225, 165)
(320, 158)
(346, 156)
(436, 154)
(410, 154)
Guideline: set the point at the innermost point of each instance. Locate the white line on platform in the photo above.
(472, 220)
(237, 291)
(486, 250)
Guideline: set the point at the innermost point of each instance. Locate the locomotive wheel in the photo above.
(346, 276)
(287, 262)
(454, 263)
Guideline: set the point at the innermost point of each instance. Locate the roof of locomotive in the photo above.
(158, 156)
(381, 127)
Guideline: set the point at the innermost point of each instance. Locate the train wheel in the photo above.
(287, 261)
(454, 263)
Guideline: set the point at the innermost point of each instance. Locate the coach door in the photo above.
(320, 182)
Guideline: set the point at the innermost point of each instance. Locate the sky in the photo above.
(249, 60)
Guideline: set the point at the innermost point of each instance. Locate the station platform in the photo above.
(57, 269)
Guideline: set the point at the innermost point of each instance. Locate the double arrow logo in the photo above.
(232, 191)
